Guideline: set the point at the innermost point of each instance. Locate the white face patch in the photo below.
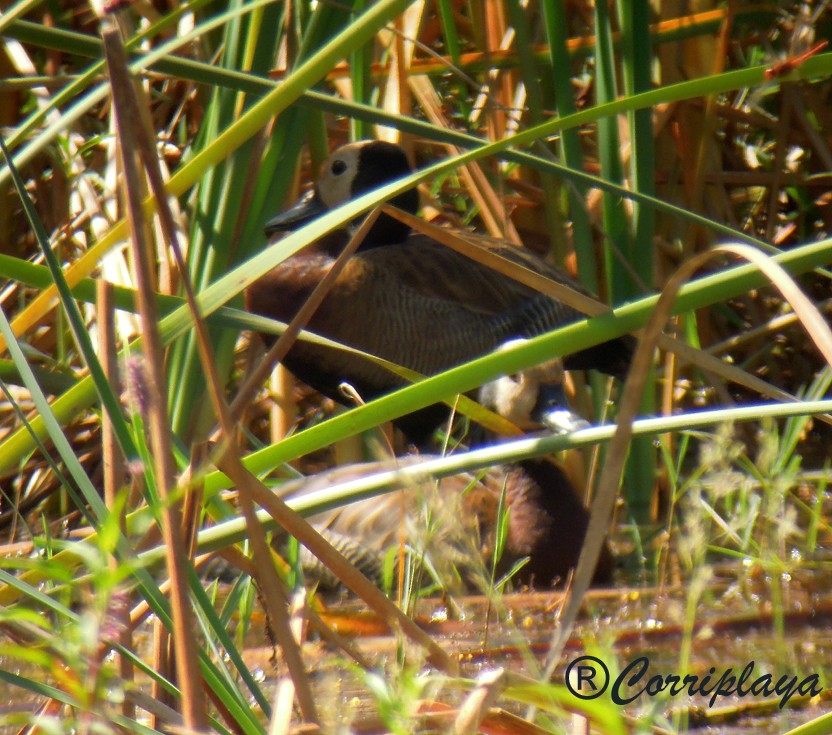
(548, 372)
(334, 184)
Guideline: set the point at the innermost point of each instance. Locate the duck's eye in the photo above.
(338, 167)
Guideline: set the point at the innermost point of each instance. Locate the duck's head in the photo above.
(350, 171)
(533, 398)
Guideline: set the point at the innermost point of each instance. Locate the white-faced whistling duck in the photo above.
(547, 520)
(404, 297)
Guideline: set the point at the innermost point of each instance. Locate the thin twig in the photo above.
(330, 557)
(187, 664)
(113, 476)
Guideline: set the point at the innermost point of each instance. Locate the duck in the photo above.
(547, 519)
(403, 296)
(547, 522)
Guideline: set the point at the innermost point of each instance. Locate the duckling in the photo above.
(404, 297)
(547, 520)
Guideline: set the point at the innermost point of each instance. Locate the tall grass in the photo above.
(573, 132)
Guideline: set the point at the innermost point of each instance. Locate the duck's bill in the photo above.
(307, 208)
(552, 410)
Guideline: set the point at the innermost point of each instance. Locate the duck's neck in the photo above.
(386, 231)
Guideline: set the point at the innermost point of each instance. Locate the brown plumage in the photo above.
(547, 521)
(403, 297)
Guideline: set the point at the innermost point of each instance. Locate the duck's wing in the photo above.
(435, 269)
(415, 316)
(468, 309)
(461, 508)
